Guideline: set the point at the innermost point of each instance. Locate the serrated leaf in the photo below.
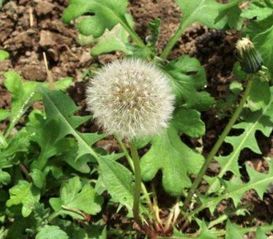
(46, 139)
(233, 231)
(175, 159)
(254, 121)
(15, 145)
(49, 232)
(235, 188)
(203, 233)
(202, 11)
(50, 145)
(118, 180)
(188, 121)
(76, 196)
(61, 108)
(107, 13)
(24, 94)
(24, 193)
(81, 164)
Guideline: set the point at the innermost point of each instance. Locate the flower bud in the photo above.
(249, 58)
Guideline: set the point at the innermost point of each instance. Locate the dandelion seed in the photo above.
(131, 99)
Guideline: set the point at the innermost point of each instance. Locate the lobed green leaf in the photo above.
(175, 159)
(76, 197)
(104, 14)
(203, 11)
(24, 193)
(49, 232)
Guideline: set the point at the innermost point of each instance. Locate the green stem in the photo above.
(218, 220)
(53, 216)
(218, 144)
(137, 189)
(131, 164)
(223, 218)
(174, 39)
(133, 34)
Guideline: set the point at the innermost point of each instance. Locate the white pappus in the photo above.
(131, 99)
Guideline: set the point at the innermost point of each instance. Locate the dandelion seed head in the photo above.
(131, 99)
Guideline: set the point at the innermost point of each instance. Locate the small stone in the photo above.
(46, 39)
(43, 8)
(5, 65)
(34, 72)
(51, 39)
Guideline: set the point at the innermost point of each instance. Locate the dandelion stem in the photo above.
(131, 164)
(218, 144)
(137, 188)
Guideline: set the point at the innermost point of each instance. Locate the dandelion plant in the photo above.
(131, 99)
(142, 144)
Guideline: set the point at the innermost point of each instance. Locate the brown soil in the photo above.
(30, 29)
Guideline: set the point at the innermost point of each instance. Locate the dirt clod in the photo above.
(43, 7)
(31, 28)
